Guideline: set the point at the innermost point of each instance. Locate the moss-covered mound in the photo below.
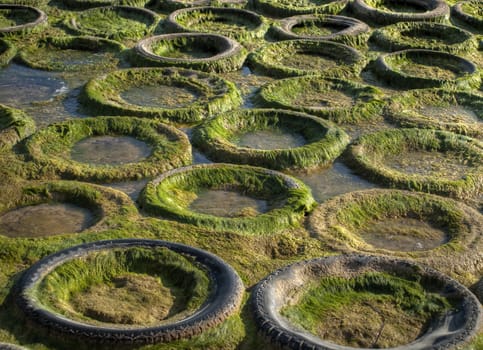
(416, 69)
(350, 301)
(456, 111)
(51, 146)
(422, 160)
(338, 100)
(425, 35)
(15, 125)
(188, 96)
(171, 194)
(129, 291)
(470, 13)
(346, 30)
(71, 54)
(172, 5)
(206, 52)
(234, 23)
(286, 8)
(20, 18)
(7, 52)
(301, 57)
(323, 141)
(85, 4)
(383, 12)
(114, 22)
(407, 224)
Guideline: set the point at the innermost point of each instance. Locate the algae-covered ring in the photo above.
(286, 8)
(324, 141)
(246, 24)
(206, 52)
(85, 4)
(208, 94)
(425, 35)
(7, 52)
(379, 157)
(277, 290)
(6, 346)
(338, 100)
(343, 29)
(172, 5)
(224, 299)
(431, 10)
(15, 125)
(456, 111)
(171, 194)
(475, 21)
(301, 57)
(442, 69)
(36, 17)
(50, 147)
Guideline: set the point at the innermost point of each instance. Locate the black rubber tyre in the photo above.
(41, 18)
(5, 346)
(272, 293)
(223, 301)
(286, 8)
(458, 12)
(86, 4)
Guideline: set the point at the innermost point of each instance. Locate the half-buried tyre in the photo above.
(15, 125)
(286, 8)
(20, 18)
(7, 52)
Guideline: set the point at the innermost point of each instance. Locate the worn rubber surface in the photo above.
(41, 18)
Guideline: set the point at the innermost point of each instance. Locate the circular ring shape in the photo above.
(7, 52)
(301, 57)
(287, 8)
(380, 11)
(35, 17)
(170, 148)
(132, 23)
(6, 346)
(323, 141)
(338, 100)
(173, 5)
(455, 111)
(416, 69)
(348, 223)
(15, 125)
(223, 301)
(213, 94)
(205, 52)
(56, 54)
(370, 154)
(86, 4)
(239, 24)
(276, 290)
(425, 35)
(293, 199)
(469, 12)
(346, 30)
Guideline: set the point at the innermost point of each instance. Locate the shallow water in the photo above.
(112, 150)
(131, 188)
(309, 61)
(451, 114)
(45, 220)
(71, 58)
(275, 138)
(159, 96)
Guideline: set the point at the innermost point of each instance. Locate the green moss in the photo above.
(85, 4)
(15, 125)
(286, 8)
(473, 8)
(7, 52)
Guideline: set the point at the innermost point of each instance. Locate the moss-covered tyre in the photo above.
(417, 68)
(98, 205)
(346, 30)
(7, 52)
(338, 100)
(50, 147)
(172, 5)
(470, 13)
(384, 12)
(6, 346)
(441, 162)
(286, 8)
(189, 96)
(216, 289)
(114, 22)
(20, 18)
(323, 142)
(414, 225)
(15, 125)
(286, 199)
(86, 4)
(425, 35)
(346, 274)
(206, 52)
(301, 57)
(72, 54)
(456, 111)
(238, 24)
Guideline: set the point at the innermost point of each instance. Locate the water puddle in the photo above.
(275, 138)
(112, 150)
(131, 188)
(45, 220)
(450, 114)
(159, 96)
(309, 61)
(72, 58)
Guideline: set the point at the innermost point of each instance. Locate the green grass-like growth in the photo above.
(468, 14)
(101, 96)
(15, 125)
(324, 141)
(23, 19)
(85, 4)
(50, 147)
(7, 52)
(286, 8)
(455, 111)
(171, 194)
(338, 100)
(368, 155)
(68, 283)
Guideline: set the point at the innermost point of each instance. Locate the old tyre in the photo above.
(469, 12)
(286, 8)
(15, 125)
(32, 17)
(7, 52)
